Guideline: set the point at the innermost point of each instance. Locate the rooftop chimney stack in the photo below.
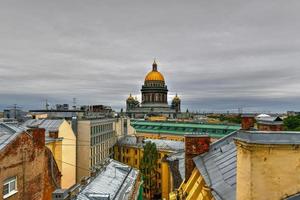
(194, 146)
(248, 121)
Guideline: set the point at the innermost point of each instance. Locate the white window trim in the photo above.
(12, 192)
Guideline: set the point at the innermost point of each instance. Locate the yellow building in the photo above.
(246, 166)
(61, 140)
(129, 150)
(268, 165)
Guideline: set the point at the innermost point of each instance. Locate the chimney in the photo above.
(194, 146)
(248, 121)
(38, 135)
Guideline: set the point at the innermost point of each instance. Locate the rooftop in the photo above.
(218, 168)
(160, 144)
(183, 128)
(180, 156)
(116, 181)
(50, 125)
(218, 165)
(8, 132)
(269, 137)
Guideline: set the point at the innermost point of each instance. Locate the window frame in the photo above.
(9, 182)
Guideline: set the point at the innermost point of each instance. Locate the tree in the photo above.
(148, 168)
(292, 123)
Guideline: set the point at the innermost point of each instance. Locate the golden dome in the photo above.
(130, 97)
(154, 75)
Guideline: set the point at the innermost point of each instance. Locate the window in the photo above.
(10, 187)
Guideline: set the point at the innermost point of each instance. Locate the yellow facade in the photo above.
(194, 188)
(64, 152)
(132, 156)
(267, 171)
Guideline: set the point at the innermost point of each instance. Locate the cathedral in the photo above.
(154, 98)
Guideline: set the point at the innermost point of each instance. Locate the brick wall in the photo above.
(194, 146)
(25, 158)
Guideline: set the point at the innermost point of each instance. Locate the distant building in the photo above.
(154, 98)
(129, 150)
(114, 181)
(246, 165)
(262, 122)
(27, 167)
(61, 140)
(293, 113)
(14, 114)
(62, 106)
(269, 123)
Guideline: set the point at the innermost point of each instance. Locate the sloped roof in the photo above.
(167, 144)
(116, 181)
(160, 144)
(8, 132)
(218, 165)
(218, 168)
(294, 197)
(50, 125)
(180, 156)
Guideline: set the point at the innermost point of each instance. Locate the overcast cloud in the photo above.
(217, 55)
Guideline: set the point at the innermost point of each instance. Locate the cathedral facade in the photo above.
(154, 98)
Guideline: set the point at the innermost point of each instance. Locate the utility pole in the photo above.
(47, 105)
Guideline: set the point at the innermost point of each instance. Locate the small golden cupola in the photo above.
(154, 75)
(176, 98)
(130, 97)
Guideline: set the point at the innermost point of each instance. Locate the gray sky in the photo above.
(217, 55)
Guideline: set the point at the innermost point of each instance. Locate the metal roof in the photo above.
(294, 197)
(167, 144)
(50, 125)
(185, 124)
(269, 137)
(116, 181)
(180, 156)
(218, 168)
(218, 165)
(160, 144)
(8, 132)
(184, 128)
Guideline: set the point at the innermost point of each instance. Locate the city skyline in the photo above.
(217, 56)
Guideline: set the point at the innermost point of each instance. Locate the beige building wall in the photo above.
(95, 141)
(123, 127)
(83, 149)
(266, 172)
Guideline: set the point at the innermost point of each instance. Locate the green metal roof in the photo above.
(185, 125)
(183, 128)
